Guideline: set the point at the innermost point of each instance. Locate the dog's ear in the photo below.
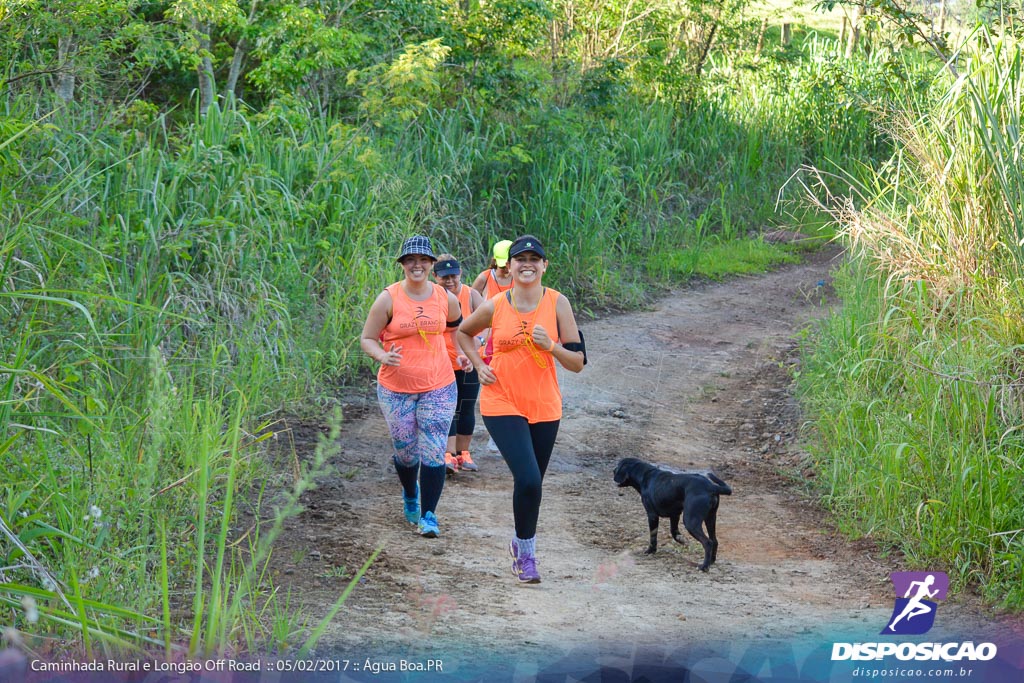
(621, 476)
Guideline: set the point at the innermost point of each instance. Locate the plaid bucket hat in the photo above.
(417, 244)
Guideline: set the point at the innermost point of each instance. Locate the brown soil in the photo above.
(702, 379)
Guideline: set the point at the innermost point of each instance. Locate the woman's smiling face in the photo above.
(527, 267)
(417, 266)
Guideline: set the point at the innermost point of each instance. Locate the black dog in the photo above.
(664, 493)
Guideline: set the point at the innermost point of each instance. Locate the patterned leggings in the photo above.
(418, 423)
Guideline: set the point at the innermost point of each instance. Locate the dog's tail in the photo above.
(723, 488)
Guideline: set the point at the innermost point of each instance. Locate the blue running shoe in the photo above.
(412, 506)
(428, 526)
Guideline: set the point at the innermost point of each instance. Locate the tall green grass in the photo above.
(916, 415)
(916, 385)
(144, 330)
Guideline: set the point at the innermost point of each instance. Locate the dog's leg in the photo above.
(652, 523)
(693, 525)
(674, 526)
(710, 524)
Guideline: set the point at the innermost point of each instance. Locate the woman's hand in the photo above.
(486, 375)
(392, 356)
(541, 338)
(465, 364)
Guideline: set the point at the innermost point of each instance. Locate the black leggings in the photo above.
(464, 420)
(526, 449)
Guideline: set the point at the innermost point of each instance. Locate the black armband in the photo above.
(581, 345)
(455, 323)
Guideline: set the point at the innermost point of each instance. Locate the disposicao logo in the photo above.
(914, 614)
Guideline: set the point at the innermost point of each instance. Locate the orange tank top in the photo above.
(464, 304)
(493, 288)
(527, 383)
(418, 327)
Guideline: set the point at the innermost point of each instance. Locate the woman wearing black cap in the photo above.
(532, 326)
(404, 332)
(448, 272)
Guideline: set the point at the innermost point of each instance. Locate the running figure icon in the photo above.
(919, 591)
(916, 607)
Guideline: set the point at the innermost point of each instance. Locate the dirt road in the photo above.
(699, 380)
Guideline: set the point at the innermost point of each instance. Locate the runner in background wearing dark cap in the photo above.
(448, 273)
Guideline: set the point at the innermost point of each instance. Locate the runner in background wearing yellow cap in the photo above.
(491, 282)
(497, 278)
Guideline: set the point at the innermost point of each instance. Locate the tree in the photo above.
(197, 19)
(401, 90)
(855, 27)
(66, 43)
(496, 43)
(912, 25)
(302, 49)
(238, 54)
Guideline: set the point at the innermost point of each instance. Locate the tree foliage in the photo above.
(506, 53)
(400, 90)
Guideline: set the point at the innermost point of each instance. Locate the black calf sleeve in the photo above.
(431, 485)
(468, 387)
(408, 477)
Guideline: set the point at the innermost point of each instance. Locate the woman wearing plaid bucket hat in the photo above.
(532, 326)
(415, 383)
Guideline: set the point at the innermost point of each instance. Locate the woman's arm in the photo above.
(454, 319)
(480, 283)
(376, 320)
(569, 333)
(454, 308)
(476, 323)
(476, 300)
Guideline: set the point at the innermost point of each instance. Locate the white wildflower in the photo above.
(94, 572)
(12, 636)
(95, 514)
(31, 609)
(48, 584)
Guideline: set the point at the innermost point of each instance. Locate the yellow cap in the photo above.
(500, 252)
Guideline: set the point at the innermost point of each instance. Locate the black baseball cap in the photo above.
(447, 267)
(524, 244)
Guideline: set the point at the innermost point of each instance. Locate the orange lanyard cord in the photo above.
(527, 337)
